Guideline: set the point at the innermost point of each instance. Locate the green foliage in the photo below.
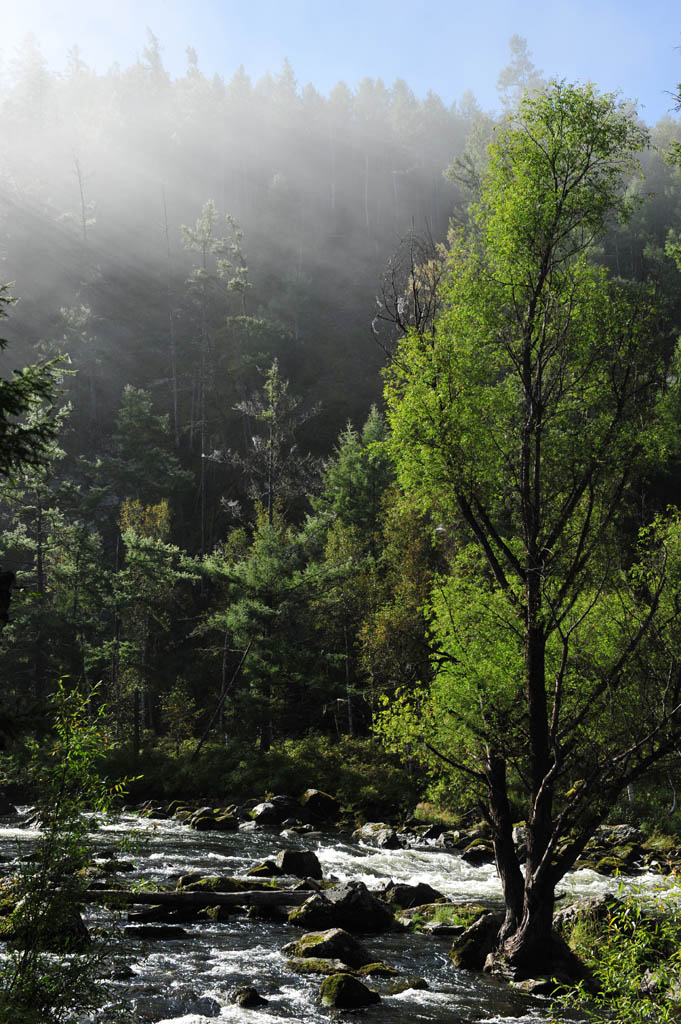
(357, 771)
(634, 954)
(36, 984)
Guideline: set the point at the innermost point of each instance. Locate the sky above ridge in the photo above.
(448, 46)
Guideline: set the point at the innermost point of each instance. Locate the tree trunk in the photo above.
(504, 847)
(530, 946)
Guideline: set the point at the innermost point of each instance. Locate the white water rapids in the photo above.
(215, 957)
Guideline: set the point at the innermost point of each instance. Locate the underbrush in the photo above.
(633, 952)
(357, 772)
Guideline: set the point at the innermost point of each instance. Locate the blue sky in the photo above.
(445, 46)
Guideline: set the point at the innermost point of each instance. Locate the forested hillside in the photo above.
(217, 537)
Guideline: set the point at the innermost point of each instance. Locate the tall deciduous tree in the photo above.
(523, 424)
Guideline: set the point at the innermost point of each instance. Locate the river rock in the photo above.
(471, 949)
(377, 833)
(345, 992)
(315, 965)
(399, 985)
(213, 822)
(591, 908)
(247, 997)
(266, 813)
(287, 807)
(349, 905)
(478, 852)
(265, 869)
(407, 896)
(320, 806)
(301, 863)
(178, 1004)
(332, 944)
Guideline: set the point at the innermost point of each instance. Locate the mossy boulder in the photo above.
(345, 992)
(315, 965)
(380, 969)
(470, 950)
(264, 869)
(332, 944)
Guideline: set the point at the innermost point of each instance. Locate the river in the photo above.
(216, 957)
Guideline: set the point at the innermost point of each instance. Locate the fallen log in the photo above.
(249, 898)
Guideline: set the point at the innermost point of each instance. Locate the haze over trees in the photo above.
(229, 536)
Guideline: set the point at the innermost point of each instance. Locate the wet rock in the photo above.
(394, 988)
(332, 944)
(265, 869)
(590, 908)
(251, 826)
(266, 813)
(349, 905)
(178, 1004)
(541, 986)
(440, 928)
(407, 896)
(214, 822)
(111, 866)
(446, 840)
(380, 969)
(345, 992)
(377, 833)
(320, 806)
(433, 832)
(478, 852)
(301, 863)
(315, 965)
(287, 807)
(471, 949)
(247, 997)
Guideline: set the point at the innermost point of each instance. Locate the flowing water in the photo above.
(216, 957)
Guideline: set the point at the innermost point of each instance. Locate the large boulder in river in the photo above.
(320, 806)
(407, 896)
(301, 863)
(344, 992)
(266, 813)
(377, 833)
(349, 905)
(470, 950)
(332, 944)
(275, 811)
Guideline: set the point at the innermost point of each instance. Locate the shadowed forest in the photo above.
(217, 541)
